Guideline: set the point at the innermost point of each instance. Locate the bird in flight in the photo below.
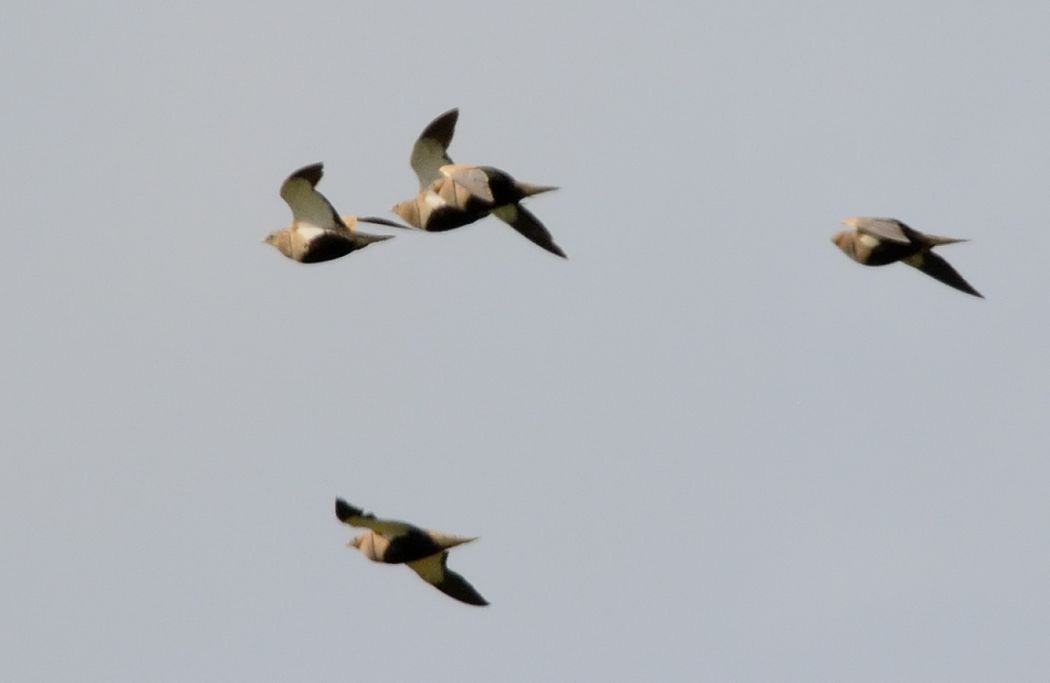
(880, 241)
(424, 551)
(317, 232)
(453, 195)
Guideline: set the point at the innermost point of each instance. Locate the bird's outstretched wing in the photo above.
(430, 152)
(388, 528)
(884, 229)
(434, 570)
(309, 207)
(522, 220)
(939, 269)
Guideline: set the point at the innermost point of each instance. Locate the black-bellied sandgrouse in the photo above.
(423, 550)
(880, 241)
(317, 232)
(453, 195)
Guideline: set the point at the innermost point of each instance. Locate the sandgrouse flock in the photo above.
(452, 195)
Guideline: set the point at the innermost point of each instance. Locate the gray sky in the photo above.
(706, 447)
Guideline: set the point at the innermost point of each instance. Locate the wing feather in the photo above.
(430, 152)
(884, 229)
(434, 570)
(522, 220)
(388, 528)
(939, 269)
(472, 179)
(309, 207)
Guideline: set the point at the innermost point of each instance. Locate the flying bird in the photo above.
(879, 241)
(453, 195)
(423, 550)
(317, 232)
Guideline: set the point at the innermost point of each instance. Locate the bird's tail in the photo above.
(446, 541)
(363, 239)
(375, 220)
(928, 240)
(528, 189)
(936, 240)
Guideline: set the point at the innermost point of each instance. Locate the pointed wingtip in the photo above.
(452, 115)
(455, 586)
(312, 173)
(939, 269)
(529, 227)
(345, 511)
(442, 128)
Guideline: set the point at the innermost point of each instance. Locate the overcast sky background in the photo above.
(706, 447)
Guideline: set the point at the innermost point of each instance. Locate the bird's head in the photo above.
(844, 241)
(371, 545)
(408, 210)
(281, 240)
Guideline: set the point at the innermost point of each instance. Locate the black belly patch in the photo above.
(890, 252)
(415, 545)
(450, 219)
(327, 247)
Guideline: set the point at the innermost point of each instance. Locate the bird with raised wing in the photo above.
(424, 551)
(880, 241)
(453, 195)
(317, 232)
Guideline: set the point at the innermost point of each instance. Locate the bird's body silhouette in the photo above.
(453, 195)
(424, 551)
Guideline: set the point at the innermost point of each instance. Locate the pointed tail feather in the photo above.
(917, 237)
(934, 240)
(363, 239)
(929, 240)
(350, 221)
(382, 221)
(449, 540)
(528, 189)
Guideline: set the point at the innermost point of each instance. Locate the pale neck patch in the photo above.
(310, 232)
(434, 200)
(868, 241)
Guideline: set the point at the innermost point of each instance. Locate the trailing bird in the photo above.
(453, 195)
(423, 550)
(317, 232)
(880, 241)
